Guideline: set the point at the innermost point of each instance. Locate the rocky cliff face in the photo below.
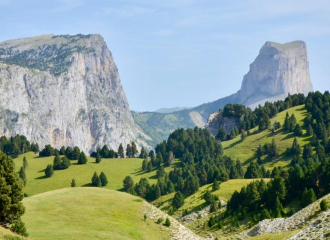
(63, 90)
(279, 69)
(217, 120)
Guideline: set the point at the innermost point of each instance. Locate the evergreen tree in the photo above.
(22, 175)
(134, 149)
(128, 183)
(295, 149)
(161, 172)
(129, 152)
(96, 182)
(19, 227)
(178, 200)
(287, 123)
(208, 197)
(62, 150)
(243, 134)
(103, 178)
(73, 183)
(308, 197)
(222, 135)
(121, 151)
(211, 222)
(57, 161)
(143, 153)
(25, 163)
(297, 130)
(49, 171)
(167, 222)
(215, 185)
(144, 164)
(323, 205)
(310, 131)
(293, 122)
(75, 153)
(308, 151)
(149, 167)
(98, 158)
(265, 214)
(68, 152)
(253, 171)
(82, 158)
(273, 151)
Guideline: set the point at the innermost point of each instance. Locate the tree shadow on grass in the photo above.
(87, 185)
(41, 177)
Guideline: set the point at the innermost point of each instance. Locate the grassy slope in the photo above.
(88, 213)
(245, 151)
(115, 170)
(8, 235)
(195, 201)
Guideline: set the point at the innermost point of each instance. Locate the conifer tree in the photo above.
(323, 205)
(167, 222)
(121, 151)
(103, 178)
(273, 151)
(98, 158)
(65, 163)
(22, 175)
(310, 131)
(73, 183)
(215, 185)
(128, 183)
(178, 200)
(57, 161)
(144, 164)
(82, 158)
(96, 182)
(49, 171)
(149, 167)
(295, 149)
(25, 163)
(297, 130)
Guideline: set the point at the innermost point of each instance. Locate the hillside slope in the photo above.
(116, 169)
(95, 213)
(279, 69)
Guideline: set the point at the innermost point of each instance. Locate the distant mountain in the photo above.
(63, 90)
(171, 110)
(278, 70)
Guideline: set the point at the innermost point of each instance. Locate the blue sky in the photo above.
(180, 53)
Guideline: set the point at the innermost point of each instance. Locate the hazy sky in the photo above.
(180, 53)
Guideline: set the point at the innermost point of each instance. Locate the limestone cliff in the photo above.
(217, 120)
(279, 69)
(63, 90)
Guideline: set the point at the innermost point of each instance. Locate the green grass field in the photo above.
(245, 151)
(88, 213)
(115, 169)
(195, 201)
(8, 235)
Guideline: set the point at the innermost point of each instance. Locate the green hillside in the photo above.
(9, 235)
(115, 169)
(245, 150)
(88, 213)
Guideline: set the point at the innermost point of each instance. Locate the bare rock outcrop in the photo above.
(279, 69)
(217, 120)
(63, 90)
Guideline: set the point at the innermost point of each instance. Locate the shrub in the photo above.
(323, 205)
(160, 220)
(19, 227)
(167, 222)
(49, 171)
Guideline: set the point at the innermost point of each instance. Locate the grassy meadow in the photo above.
(114, 168)
(88, 213)
(245, 150)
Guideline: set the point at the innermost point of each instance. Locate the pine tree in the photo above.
(178, 200)
(143, 153)
(134, 149)
(121, 151)
(62, 150)
(82, 158)
(22, 175)
(297, 130)
(57, 161)
(265, 214)
(96, 182)
(167, 222)
(295, 149)
(103, 178)
(323, 205)
(287, 123)
(75, 153)
(308, 151)
(73, 183)
(49, 171)
(310, 131)
(65, 163)
(144, 164)
(308, 197)
(293, 122)
(149, 167)
(98, 158)
(128, 183)
(25, 163)
(273, 151)
(211, 222)
(215, 185)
